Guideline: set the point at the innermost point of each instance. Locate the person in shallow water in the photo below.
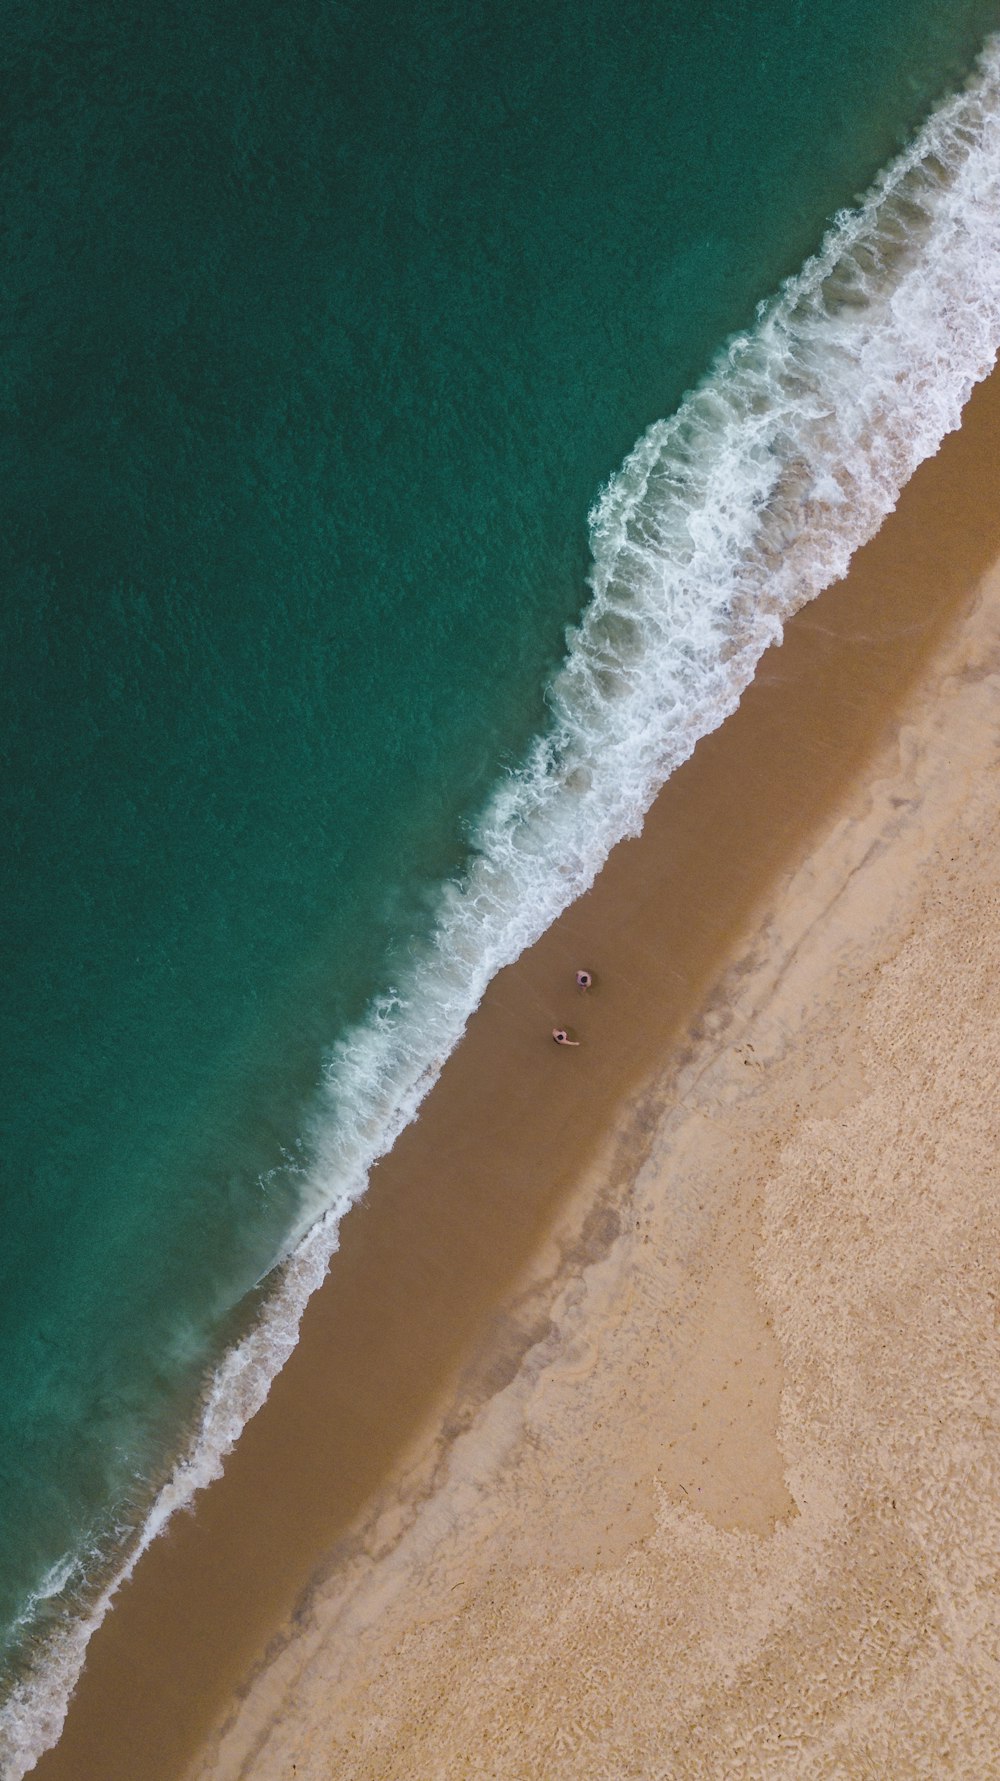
(561, 1037)
(583, 980)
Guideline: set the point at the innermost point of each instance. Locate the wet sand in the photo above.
(516, 1184)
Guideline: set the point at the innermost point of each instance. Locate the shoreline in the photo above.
(440, 1280)
(738, 1514)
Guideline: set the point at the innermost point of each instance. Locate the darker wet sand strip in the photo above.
(429, 1259)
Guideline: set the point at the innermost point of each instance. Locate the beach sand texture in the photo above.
(739, 1513)
(646, 1425)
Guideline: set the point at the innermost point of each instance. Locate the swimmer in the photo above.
(561, 1037)
(583, 980)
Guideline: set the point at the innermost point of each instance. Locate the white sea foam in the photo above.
(723, 521)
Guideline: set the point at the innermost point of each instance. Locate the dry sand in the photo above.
(644, 1427)
(739, 1513)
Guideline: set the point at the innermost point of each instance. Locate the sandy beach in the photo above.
(647, 1424)
(739, 1512)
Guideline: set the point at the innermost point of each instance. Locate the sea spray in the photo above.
(724, 520)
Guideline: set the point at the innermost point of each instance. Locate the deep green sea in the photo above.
(323, 327)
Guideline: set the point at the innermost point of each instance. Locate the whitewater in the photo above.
(724, 520)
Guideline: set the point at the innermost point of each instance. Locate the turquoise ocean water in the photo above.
(323, 328)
